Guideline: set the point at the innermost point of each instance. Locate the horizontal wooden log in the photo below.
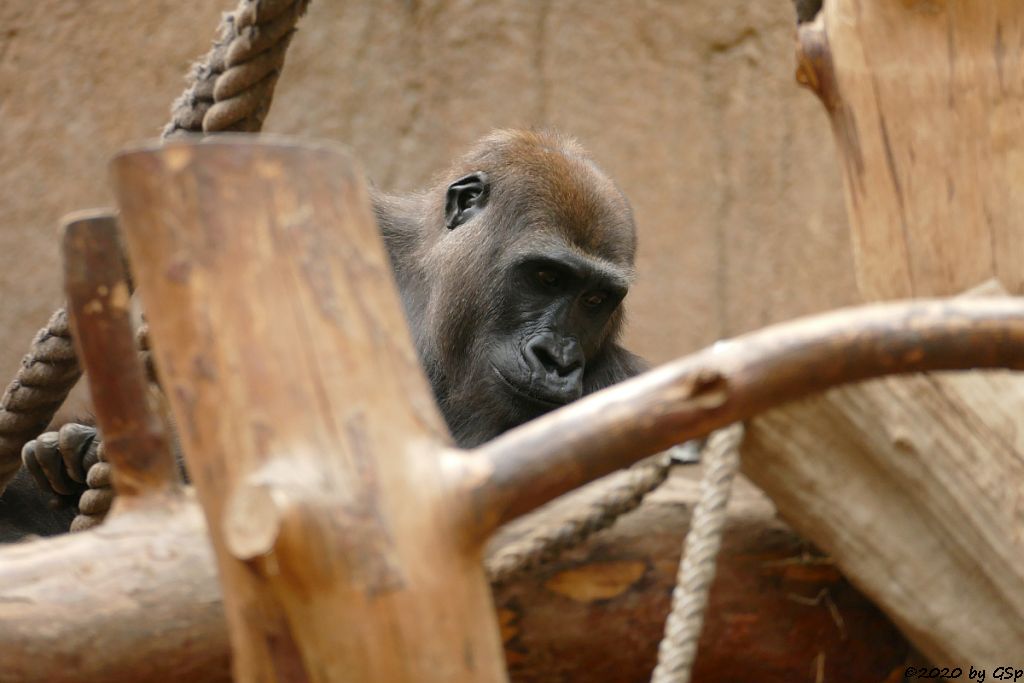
(138, 600)
(889, 339)
(134, 600)
(779, 611)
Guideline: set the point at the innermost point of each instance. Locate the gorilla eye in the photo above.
(548, 278)
(594, 299)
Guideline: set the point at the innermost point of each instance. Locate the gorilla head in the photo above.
(512, 271)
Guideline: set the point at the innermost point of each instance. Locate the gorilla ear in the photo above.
(466, 196)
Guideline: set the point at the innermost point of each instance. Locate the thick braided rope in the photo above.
(547, 543)
(47, 374)
(231, 87)
(678, 648)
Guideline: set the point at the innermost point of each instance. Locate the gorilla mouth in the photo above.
(545, 401)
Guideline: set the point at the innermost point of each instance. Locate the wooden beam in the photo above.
(728, 382)
(918, 500)
(926, 101)
(307, 424)
(99, 310)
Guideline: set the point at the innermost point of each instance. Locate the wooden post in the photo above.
(99, 309)
(307, 424)
(913, 485)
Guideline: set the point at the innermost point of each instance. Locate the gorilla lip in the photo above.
(525, 393)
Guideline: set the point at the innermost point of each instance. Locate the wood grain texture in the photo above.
(136, 600)
(308, 426)
(99, 310)
(926, 101)
(920, 501)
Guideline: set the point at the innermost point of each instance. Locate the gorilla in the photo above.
(511, 268)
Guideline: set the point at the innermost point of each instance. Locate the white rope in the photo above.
(678, 647)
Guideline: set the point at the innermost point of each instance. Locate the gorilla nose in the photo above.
(556, 365)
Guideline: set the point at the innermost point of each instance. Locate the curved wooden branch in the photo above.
(730, 381)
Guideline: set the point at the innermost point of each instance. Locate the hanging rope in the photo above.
(229, 89)
(678, 647)
(545, 544)
(47, 374)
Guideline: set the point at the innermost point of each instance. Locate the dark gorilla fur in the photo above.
(542, 205)
(511, 269)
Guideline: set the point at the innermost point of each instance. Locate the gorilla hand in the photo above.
(69, 465)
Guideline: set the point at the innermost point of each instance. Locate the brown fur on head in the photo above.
(498, 347)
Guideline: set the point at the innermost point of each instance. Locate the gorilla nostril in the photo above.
(547, 359)
(562, 365)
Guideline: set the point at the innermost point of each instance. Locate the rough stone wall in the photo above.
(690, 104)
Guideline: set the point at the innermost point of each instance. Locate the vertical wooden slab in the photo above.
(308, 426)
(926, 100)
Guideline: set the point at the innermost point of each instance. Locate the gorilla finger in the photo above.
(95, 501)
(99, 476)
(74, 441)
(28, 458)
(94, 453)
(49, 458)
(83, 522)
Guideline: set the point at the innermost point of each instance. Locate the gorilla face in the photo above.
(527, 277)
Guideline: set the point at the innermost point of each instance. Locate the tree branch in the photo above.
(730, 381)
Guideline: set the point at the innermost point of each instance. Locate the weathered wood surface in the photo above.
(136, 599)
(307, 424)
(778, 610)
(917, 499)
(348, 538)
(926, 101)
(913, 485)
(99, 309)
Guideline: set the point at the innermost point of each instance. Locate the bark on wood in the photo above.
(919, 504)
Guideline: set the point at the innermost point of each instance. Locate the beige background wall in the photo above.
(690, 104)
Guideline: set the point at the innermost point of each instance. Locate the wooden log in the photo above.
(917, 501)
(135, 600)
(99, 310)
(916, 498)
(307, 424)
(925, 100)
(779, 611)
(138, 600)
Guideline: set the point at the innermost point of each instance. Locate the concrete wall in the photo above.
(690, 104)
